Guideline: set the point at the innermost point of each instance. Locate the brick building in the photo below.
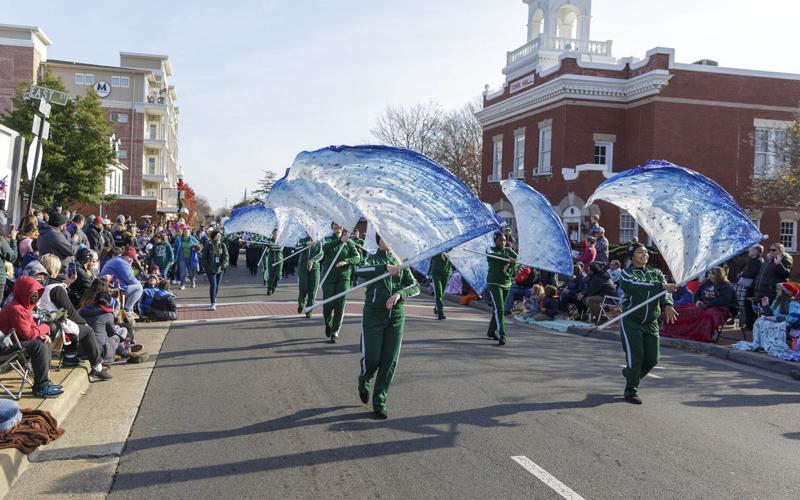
(139, 102)
(570, 116)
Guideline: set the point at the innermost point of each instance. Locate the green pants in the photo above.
(275, 274)
(641, 345)
(497, 325)
(381, 338)
(307, 281)
(265, 264)
(333, 312)
(439, 286)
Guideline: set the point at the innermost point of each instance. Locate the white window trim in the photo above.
(793, 247)
(545, 168)
(122, 153)
(518, 169)
(79, 76)
(771, 127)
(609, 164)
(88, 79)
(635, 227)
(124, 82)
(497, 163)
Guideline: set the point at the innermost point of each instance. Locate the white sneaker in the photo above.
(193, 283)
(183, 287)
(213, 307)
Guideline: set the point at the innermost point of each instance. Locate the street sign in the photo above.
(102, 89)
(49, 95)
(41, 130)
(44, 108)
(31, 167)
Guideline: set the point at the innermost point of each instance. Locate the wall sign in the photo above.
(522, 84)
(102, 89)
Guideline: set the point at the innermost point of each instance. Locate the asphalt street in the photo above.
(267, 408)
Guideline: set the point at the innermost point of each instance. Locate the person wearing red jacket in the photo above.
(589, 253)
(35, 339)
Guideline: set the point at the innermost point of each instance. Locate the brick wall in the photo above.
(16, 64)
(134, 208)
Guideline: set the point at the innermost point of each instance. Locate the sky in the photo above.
(259, 81)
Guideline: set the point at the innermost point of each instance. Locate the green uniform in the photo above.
(275, 258)
(640, 329)
(441, 270)
(381, 329)
(308, 281)
(359, 245)
(337, 281)
(499, 280)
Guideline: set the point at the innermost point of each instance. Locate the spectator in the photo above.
(614, 271)
(35, 339)
(714, 302)
(29, 233)
(158, 303)
(31, 256)
(53, 239)
(776, 268)
(94, 234)
(521, 288)
(120, 269)
(161, 254)
(532, 304)
(55, 297)
(599, 285)
(113, 339)
(186, 248)
(777, 319)
(8, 255)
(575, 286)
(601, 245)
(745, 286)
(215, 255)
(589, 253)
(85, 262)
(108, 237)
(549, 306)
(79, 236)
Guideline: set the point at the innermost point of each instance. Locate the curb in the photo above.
(12, 461)
(757, 360)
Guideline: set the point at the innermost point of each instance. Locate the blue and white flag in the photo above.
(416, 205)
(695, 224)
(320, 200)
(256, 219)
(543, 243)
(294, 224)
(473, 267)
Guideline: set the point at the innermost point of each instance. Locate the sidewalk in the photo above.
(723, 350)
(92, 449)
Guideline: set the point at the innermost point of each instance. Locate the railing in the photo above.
(555, 43)
(157, 98)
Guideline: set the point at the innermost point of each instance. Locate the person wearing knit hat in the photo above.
(53, 238)
(790, 288)
(775, 321)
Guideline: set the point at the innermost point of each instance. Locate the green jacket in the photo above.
(312, 253)
(161, 254)
(501, 273)
(441, 266)
(360, 243)
(349, 254)
(379, 292)
(639, 284)
(215, 257)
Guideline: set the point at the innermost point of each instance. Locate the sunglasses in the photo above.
(773, 249)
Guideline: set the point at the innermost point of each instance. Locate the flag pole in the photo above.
(487, 255)
(330, 268)
(289, 257)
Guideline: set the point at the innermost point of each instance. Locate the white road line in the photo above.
(649, 374)
(547, 478)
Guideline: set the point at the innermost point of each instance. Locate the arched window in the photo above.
(537, 23)
(568, 24)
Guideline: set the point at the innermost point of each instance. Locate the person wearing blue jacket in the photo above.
(120, 269)
(186, 248)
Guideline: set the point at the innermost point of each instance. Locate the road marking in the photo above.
(649, 374)
(547, 478)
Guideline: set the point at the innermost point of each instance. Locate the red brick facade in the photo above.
(17, 64)
(131, 136)
(703, 120)
(134, 208)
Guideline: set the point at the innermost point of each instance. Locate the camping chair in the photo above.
(15, 358)
(718, 334)
(611, 307)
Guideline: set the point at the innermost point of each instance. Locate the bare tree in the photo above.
(459, 148)
(414, 127)
(201, 208)
(779, 183)
(453, 139)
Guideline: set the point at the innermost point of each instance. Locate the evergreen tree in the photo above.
(77, 156)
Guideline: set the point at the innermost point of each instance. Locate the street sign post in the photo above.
(49, 95)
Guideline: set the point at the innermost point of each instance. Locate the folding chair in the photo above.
(15, 358)
(718, 334)
(611, 307)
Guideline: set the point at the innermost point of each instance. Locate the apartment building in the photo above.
(139, 102)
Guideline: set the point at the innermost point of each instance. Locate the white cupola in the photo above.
(555, 27)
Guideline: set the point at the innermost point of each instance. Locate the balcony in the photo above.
(156, 102)
(556, 44)
(153, 141)
(154, 175)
